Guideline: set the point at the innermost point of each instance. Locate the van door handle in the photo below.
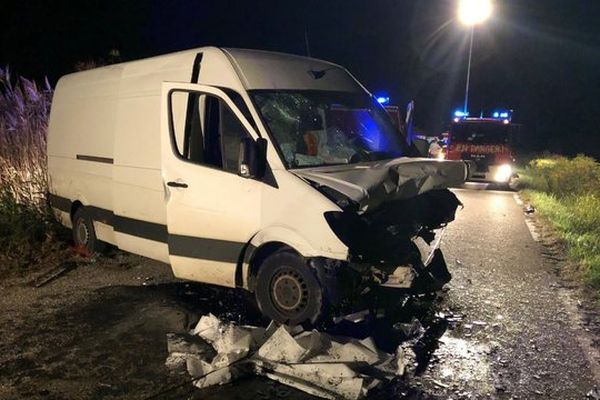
(177, 184)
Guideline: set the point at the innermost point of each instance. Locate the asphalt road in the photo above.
(521, 334)
(506, 327)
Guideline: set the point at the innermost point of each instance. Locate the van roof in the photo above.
(257, 69)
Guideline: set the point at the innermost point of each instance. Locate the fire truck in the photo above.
(487, 142)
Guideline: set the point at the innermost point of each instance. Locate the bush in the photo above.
(564, 177)
(567, 192)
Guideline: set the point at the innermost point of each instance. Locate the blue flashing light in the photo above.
(502, 114)
(460, 114)
(383, 100)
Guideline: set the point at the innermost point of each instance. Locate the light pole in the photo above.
(471, 13)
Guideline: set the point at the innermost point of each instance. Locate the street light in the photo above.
(471, 13)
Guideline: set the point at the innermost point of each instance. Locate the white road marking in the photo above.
(518, 200)
(528, 220)
(532, 229)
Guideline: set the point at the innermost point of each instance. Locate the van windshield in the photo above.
(316, 128)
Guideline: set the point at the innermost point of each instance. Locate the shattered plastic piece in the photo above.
(400, 361)
(258, 335)
(593, 394)
(369, 343)
(410, 329)
(224, 338)
(351, 352)
(197, 367)
(332, 367)
(356, 317)
(529, 209)
(402, 277)
(282, 347)
(208, 327)
(184, 343)
(176, 361)
(313, 342)
(327, 380)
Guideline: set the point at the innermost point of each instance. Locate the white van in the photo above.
(270, 172)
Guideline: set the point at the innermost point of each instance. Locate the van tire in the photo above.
(287, 291)
(84, 234)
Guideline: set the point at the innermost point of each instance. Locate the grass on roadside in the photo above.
(567, 192)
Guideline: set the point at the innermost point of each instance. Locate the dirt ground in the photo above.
(507, 327)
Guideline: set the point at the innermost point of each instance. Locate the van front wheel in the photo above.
(84, 234)
(287, 291)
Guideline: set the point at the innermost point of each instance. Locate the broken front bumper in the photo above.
(404, 276)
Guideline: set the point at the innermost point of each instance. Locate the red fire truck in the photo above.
(488, 143)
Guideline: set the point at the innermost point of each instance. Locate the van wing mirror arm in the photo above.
(252, 161)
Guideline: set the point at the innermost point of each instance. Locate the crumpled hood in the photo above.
(374, 183)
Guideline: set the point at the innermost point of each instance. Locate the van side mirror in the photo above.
(422, 147)
(252, 162)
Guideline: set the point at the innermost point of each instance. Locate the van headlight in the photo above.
(503, 173)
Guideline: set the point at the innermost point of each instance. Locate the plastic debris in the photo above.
(409, 330)
(331, 367)
(593, 394)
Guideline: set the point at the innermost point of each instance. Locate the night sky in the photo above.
(538, 57)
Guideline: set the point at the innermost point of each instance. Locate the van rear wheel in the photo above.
(84, 234)
(287, 291)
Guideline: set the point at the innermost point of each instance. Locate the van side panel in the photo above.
(138, 189)
(81, 140)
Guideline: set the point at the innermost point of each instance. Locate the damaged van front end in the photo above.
(392, 218)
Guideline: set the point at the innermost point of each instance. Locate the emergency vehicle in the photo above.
(488, 142)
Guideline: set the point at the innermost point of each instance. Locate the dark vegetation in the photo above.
(27, 227)
(567, 192)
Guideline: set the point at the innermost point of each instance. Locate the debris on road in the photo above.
(529, 209)
(217, 352)
(440, 384)
(54, 274)
(593, 394)
(409, 330)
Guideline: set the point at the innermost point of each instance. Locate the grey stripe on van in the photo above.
(179, 245)
(143, 229)
(208, 249)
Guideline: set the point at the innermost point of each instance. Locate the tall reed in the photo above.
(24, 112)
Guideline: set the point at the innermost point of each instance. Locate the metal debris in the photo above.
(54, 274)
(331, 367)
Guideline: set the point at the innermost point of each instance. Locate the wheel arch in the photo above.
(256, 256)
(267, 242)
(75, 205)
